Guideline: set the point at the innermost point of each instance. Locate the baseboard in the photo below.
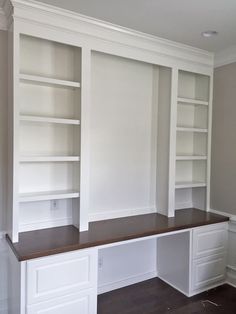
(183, 205)
(46, 224)
(231, 275)
(218, 212)
(126, 282)
(103, 215)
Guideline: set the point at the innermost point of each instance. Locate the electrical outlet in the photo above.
(54, 205)
(100, 262)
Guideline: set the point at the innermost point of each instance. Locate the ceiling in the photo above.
(178, 20)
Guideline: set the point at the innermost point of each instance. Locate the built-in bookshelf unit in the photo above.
(47, 143)
(192, 140)
(103, 122)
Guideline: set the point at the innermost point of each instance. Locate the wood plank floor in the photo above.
(156, 297)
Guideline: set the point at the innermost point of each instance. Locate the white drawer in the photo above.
(208, 271)
(81, 303)
(209, 240)
(61, 274)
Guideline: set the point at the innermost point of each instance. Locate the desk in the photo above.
(58, 267)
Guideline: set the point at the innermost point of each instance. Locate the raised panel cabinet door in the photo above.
(208, 240)
(208, 270)
(81, 303)
(61, 274)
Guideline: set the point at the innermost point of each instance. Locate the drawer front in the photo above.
(208, 271)
(62, 274)
(80, 303)
(209, 240)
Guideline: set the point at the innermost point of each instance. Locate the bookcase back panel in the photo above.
(190, 143)
(50, 59)
(49, 101)
(193, 86)
(191, 171)
(37, 215)
(192, 116)
(46, 177)
(45, 139)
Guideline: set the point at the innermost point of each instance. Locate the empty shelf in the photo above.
(48, 80)
(192, 184)
(49, 120)
(48, 158)
(192, 101)
(51, 195)
(187, 129)
(191, 157)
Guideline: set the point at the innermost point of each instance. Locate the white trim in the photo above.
(49, 16)
(45, 224)
(225, 56)
(218, 212)
(126, 282)
(231, 275)
(104, 215)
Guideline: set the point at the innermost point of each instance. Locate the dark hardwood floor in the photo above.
(156, 297)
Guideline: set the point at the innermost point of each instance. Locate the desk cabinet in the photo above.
(209, 256)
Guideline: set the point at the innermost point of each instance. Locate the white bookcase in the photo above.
(103, 122)
(192, 140)
(47, 135)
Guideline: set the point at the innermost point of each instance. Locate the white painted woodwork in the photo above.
(210, 240)
(46, 80)
(193, 137)
(83, 302)
(48, 158)
(174, 260)
(48, 120)
(189, 101)
(42, 196)
(131, 93)
(123, 265)
(62, 274)
(123, 134)
(208, 271)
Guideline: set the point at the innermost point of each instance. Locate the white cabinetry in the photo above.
(208, 256)
(62, 283)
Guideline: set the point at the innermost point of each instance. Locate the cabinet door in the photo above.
(209, 240)
(61, 274)
(208, 271)
(81, 303)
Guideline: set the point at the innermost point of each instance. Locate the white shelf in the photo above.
(48, 158)
(192, 101)
(191, 157)
(186, 129)
(48, 80)
(193, 184)
(49, 120)
(47, 196)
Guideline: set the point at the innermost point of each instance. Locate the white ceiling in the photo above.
(178, 20)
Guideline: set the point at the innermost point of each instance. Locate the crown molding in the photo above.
(225, 56)
(50, 16)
